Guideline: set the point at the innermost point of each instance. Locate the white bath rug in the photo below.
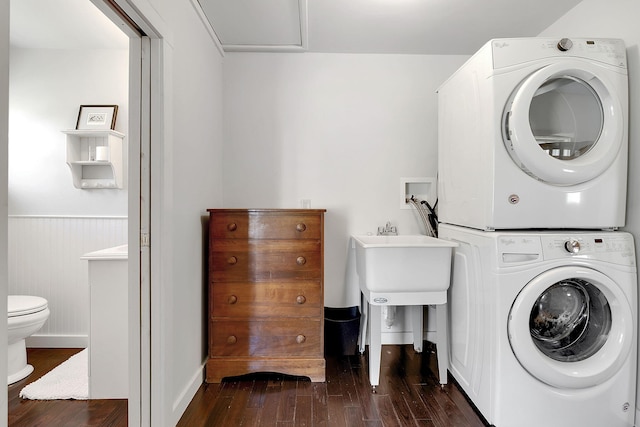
(69, 380)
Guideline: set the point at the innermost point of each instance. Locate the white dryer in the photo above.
(543, 326)
(532, 133)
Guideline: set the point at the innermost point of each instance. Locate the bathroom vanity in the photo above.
(266, 295)
(109, 323)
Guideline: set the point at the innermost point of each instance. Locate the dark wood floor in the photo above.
(72, 413)
(409, 395)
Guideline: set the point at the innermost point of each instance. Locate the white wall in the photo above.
(45, 261)
(52, 222)
(188, 175)
(47, 87)
(338, 129)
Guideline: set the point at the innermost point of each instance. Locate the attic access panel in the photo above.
(254, 25)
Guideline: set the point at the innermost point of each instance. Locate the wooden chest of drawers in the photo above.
(266, 295)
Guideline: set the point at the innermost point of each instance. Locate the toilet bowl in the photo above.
(26, 315)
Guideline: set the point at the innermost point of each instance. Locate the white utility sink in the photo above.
(404, 263)
(406, 270)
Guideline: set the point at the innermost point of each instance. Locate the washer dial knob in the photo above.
(565, 44)
(572, 246)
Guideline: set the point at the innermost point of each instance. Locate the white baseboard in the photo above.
(184, 398)
(58, 341)
(397, 338)
(400, 338)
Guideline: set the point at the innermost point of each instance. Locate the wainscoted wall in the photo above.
(44, 260)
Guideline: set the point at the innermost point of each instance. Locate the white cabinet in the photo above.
(95, 158)
(109, 323)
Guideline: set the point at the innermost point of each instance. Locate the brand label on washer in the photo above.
(380, 300)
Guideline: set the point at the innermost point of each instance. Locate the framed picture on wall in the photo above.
(93, 117)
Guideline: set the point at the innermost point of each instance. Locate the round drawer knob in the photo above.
(301, 227)
(300, 339)
(300, 299)
(231, 339)
(232, 299)
(232, 260)
(301, 260)
(232, 227)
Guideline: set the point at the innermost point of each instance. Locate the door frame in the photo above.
(4, 195)
(148, 37)
(147, 95)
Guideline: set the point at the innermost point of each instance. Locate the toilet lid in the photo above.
(19, 305)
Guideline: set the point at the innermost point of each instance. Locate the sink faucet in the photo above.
(388, 230)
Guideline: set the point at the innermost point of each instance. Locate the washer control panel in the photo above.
(615, 247)
(522, 249)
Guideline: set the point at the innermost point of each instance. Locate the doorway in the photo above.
(138, 209)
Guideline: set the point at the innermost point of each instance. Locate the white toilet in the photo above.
(26, 315)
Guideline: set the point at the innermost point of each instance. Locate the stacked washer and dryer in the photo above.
(532, 186)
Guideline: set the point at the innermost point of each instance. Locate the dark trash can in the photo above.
(341, 331)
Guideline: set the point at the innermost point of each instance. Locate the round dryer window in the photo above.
(563, 124)
(571, 327)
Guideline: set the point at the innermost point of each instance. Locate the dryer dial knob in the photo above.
(565, 44)
(572, 246)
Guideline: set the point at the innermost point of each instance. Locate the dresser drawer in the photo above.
(265, 338)
(266, 299)
(241, 260)
(265, 225)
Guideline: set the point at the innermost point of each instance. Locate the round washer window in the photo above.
(571, 327)
(570, 321)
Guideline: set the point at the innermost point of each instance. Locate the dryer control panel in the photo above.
(511, 52)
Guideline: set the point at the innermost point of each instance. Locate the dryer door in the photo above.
(564, 124)
(571, 327)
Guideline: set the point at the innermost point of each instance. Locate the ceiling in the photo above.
(62, 24)
(336, 26)
(378, 26)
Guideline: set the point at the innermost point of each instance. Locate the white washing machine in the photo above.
(533, 134)
(543, 326)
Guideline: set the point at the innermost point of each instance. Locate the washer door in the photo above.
(564, 124)
(571, 327)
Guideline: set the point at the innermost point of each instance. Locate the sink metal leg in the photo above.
(364, 318)
(442, 346)
(416, 324)
(371, 327)
(375, 344)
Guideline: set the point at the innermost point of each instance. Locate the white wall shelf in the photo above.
(95, 158)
